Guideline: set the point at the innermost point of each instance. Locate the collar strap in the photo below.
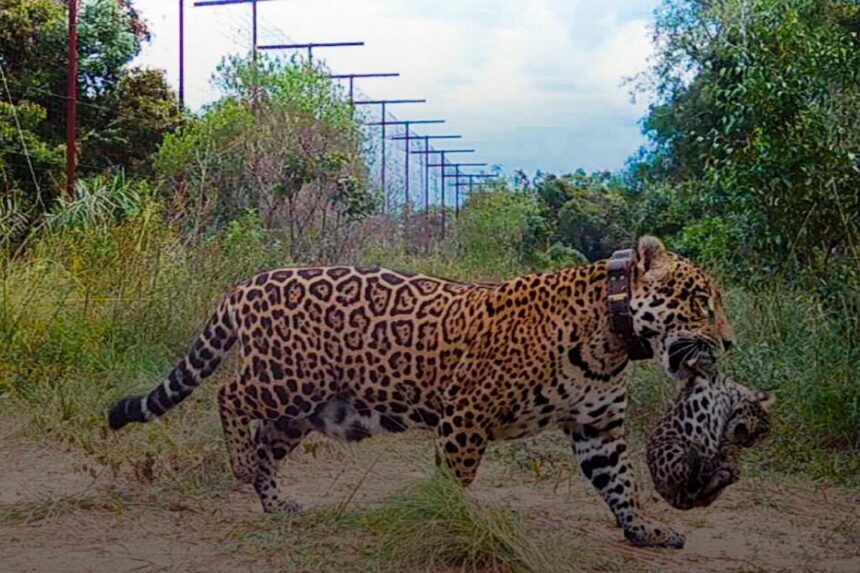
(618, 269)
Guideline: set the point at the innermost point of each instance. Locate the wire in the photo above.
(66, 98)
(12, 151)
(21, 136)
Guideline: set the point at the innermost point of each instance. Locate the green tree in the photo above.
(122, 113)
(588, 213)
(500, 231)
(283, 142)
(757, 123)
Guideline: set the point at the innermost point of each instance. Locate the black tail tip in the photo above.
(125, 411)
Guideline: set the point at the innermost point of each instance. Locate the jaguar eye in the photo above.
(702, 307)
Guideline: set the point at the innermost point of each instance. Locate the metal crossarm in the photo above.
(200, 3)
(425, 152)
(405, 122)
(388, 101)
(353, 77)
(309, 46)
(203, 4)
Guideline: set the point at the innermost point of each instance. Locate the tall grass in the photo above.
(810, 355)
(90, 312)
(434, 525)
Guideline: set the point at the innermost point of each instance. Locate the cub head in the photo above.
(750, 418)
(677, 308)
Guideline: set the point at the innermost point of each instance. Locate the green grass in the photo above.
(51, 507)
(434, 524)
(430, 526)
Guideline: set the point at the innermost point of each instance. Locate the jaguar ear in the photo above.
(648, 252)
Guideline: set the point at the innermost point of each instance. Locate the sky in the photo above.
(530, 84)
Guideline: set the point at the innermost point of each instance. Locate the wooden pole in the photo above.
(71, 99)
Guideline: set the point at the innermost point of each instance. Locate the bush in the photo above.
(499, 232)
(94, 310)
(282, 142)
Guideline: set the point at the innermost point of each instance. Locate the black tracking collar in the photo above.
(619, 269)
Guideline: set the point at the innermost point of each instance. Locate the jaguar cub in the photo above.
(692, 451)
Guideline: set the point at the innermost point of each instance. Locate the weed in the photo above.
(434, 524)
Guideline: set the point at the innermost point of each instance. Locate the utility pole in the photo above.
(443, 153)
(353, 77)
(406, 125)
(426, 154)
(457, 176)
(254, 31)
(383, 103)
(72, 99)
(181, 55)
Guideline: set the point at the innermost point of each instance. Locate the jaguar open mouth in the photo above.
(685, 351)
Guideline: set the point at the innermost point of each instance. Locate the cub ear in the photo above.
(648, 252)
(766, 400)
(686, 374)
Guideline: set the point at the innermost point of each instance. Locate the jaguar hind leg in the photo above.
(237, 434)
(274, 440)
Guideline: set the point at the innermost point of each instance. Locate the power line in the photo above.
(21, 136)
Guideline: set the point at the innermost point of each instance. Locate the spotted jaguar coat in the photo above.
(351, 352)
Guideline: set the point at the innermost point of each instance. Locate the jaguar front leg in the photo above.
(601, 451)
(460, 445)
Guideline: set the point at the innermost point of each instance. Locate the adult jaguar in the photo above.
(351, 352)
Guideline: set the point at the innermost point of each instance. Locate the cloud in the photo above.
(500, 71)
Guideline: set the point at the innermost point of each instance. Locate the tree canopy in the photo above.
(122, 114)
(755, 131)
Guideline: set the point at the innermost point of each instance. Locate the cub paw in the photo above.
(727, 475)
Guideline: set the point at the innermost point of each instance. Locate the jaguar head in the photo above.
(677, 308)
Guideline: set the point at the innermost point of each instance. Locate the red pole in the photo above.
(384, 194)
(71, 98)
(181, 55)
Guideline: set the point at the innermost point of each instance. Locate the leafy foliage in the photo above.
(122, 114)
(587, 212)
(282, 142)
(499, 231)
(757, 124)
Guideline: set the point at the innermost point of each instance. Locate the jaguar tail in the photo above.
(201, 361)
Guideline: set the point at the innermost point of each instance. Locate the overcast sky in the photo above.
(531, 84)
